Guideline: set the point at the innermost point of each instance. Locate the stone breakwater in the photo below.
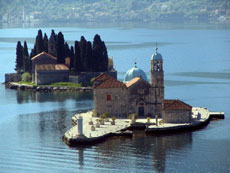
(200, 118)
(17, 86)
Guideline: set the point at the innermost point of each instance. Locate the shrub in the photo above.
(113, 120)
(106, 114)
(26, 77)
(148, 119)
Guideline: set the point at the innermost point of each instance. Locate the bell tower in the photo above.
(157, 81)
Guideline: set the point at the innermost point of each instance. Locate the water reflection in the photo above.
(30, 96)
(140, 152)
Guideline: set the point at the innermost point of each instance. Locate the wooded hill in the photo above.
(114, 10)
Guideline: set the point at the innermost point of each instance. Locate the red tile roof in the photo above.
(176, 105)
(43, 53)
(106, 81)
(51, 67)
(102, 77)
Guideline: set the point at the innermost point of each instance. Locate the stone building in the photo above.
(45, 70)
(134, 95)
(42, 58)
(176, 111)
(51, 73)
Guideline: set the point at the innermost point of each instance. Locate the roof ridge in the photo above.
(174, 105)
(36, 56)
(110, 82)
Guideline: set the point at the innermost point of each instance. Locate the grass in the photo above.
(65, 84)
(27, 83)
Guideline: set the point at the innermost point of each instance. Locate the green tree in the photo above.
(45, 43)
(66, 50)
(52, 44)
(89, 57)
(19, 58)
(60, 48)
(77, 60)
(100, 55)
(26, 59)
(39, 44)
(71, 55)
(83, 43)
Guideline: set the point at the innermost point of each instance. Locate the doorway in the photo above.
(141, 111)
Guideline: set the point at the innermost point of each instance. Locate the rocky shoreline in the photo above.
(22, 87)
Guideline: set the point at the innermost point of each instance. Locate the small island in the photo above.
(54, 65)
(120, 107)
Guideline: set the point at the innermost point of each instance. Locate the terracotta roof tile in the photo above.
(106, 81)
(176, 105)
(51, 67)
(102, 77)
(43, 53)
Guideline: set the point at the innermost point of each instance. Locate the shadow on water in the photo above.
(30, 96)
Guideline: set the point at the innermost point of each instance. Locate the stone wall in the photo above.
(117, 106)
(85, 77)
(176, 116)
(12, 77)
(48, 77)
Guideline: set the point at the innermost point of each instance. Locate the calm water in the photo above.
(197, 70)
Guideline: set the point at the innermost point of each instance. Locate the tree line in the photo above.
(84, 56)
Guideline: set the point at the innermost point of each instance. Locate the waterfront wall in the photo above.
(12, 77)
(176, 116)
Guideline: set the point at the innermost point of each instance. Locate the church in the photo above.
(137, 95)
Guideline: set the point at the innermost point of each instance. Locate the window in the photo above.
(108, 97)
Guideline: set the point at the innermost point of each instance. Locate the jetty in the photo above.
(87, 130)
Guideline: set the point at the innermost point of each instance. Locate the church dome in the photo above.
(156, 56)
(134, 72)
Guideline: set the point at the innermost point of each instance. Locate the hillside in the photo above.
(114, 10)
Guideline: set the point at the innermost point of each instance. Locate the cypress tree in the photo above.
(45, 43)
(83, 43)
(60, 48)
(104, 57)
(77, 58)
(19, 58)
(97, 53)
(89, 57)
(71, 55)
(66, 50)
(52, 44)
(100, 54)
(39, 42)
(26, 59)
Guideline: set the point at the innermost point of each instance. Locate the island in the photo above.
(54, 65)
(135, 103)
